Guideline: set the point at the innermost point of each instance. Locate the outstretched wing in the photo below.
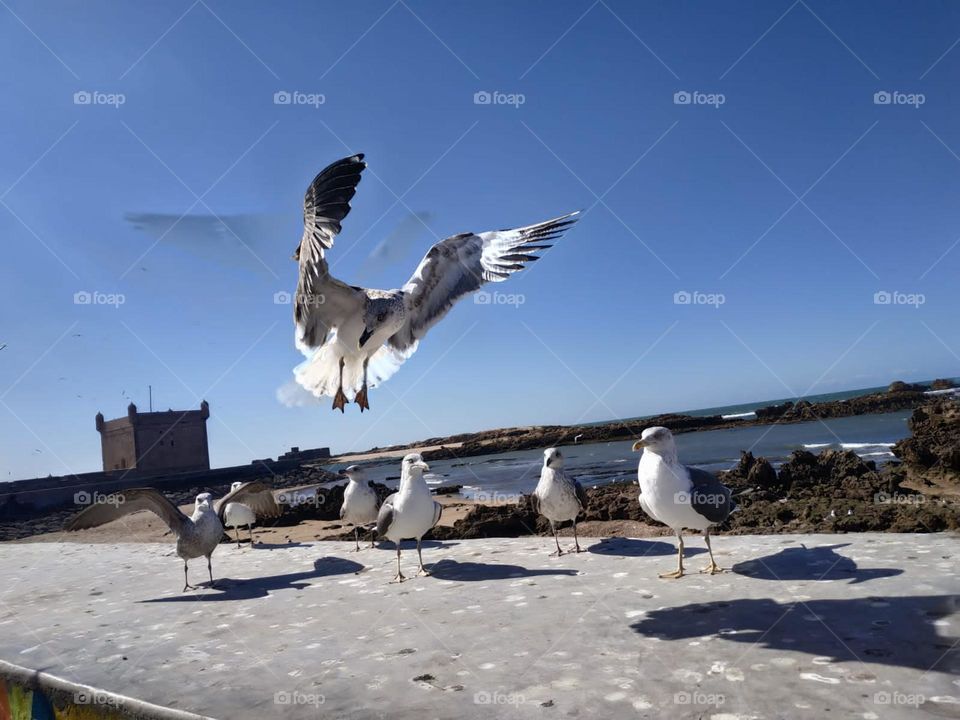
(709, 497)
(461, 264)
(323, 302)
(256, 495)
(130, 501)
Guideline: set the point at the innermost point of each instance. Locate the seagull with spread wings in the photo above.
(197, 535)
(355, 338)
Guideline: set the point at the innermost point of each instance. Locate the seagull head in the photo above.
(413, 464)
(235, 485)
(204, 501)
(658, 440)
(353, 473)
(552, 458)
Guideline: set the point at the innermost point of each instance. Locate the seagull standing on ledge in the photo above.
(236, 514)
(359, 501)
(355, 338)
(558, 497)
(678, 495)
(197, 535)
(411, 511)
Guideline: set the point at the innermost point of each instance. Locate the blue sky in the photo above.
(782, 188)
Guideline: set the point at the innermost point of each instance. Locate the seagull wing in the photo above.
(709, 497)
(581, 494)
(460, 265)
(256, 495)
(323, 302)
(437, 513)
(127, 502)
(385, 516)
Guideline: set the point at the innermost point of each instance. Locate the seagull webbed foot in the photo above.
(399, 578)
(678, 573)
(557, 553)
(711, 568)
(361, 399)
(339, 400)
(423, 572)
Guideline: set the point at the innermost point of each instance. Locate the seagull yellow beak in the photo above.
(639, 445)
(423, 466)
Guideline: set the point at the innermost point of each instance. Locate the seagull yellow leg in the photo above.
(712, 568)
(576, 542)
(678, 573)
(361, 398)
(210, 570)
(186, 583)
(356, 537)
(236, 529)
(250, 530)
(422, 570)
(559, 552)
(340, 400)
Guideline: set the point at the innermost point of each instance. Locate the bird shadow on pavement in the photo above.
(810, 563)
(248, 589)
(407, 545)
(633, 547)
(276, 546)
(469, 571)
(897, 631)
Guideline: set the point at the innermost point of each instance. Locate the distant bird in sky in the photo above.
(558, 497)
(2, 346)
(360, 504)
(410, 512)
(678, 495)
(197, 535)
(354, 337)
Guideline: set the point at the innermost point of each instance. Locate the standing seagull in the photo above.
(411, 511)
(197, 535)
(354, 337)
(236, 514)
(558, 497)
(359, 501)
(678, 495)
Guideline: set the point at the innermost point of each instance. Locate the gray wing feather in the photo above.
(256, 495)
(384, 518)
(581, 494)
(131, 501)
(461, 264)
(709, 498)
(437, 513)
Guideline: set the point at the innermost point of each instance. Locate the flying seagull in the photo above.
(411, 511)
(678, 495)
(558, 497)
(197, 535)
(354, 337)
(359, 501)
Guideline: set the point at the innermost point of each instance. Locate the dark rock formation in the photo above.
(942, 384)
(898, 386)
(932, 452)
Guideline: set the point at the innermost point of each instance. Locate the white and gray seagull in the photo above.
(410, 512)
(360, 503)
(354, 338)
(197, 535)
(678, 495)
(558, 497)
(236, 514)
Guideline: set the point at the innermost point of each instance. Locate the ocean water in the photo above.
(503, 476)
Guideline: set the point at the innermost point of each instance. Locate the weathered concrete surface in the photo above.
(853, 626)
